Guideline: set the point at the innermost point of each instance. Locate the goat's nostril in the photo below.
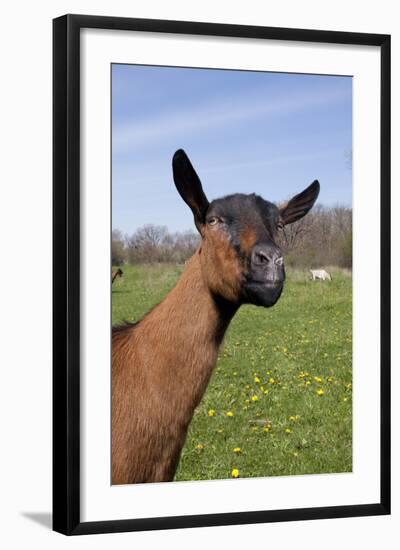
(266, 256)
(261, 257)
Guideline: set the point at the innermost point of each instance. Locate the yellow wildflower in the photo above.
(236, 450)
(271, 381)
(211, 412)
(320, 392)
(288, 430)
(199, 446)
(229, 413)
(257, 380)
(254, 398)
(317, 378)
(235, 472)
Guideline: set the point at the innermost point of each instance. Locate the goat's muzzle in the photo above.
(264, 282)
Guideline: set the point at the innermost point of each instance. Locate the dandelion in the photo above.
(320, 392)
(254, 398)
(236, 450)
(292, 418)
(317, 378)
(345, 398)
(307, 382)
(257, 380)
(348, 386)
(211, 412)
(235, 473)
(266, 391)
(229, 413)
(199, 447)
(267, 429)
(271, 381)
(288, 430)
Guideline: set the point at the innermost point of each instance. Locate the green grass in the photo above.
(285, 374)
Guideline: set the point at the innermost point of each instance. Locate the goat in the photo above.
(161, 365)
(320, 274)
(115, 274)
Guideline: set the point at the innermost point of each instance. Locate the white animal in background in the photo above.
(320, 274)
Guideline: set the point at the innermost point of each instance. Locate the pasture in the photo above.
(279, 400)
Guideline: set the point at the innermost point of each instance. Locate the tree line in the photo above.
(323, 237)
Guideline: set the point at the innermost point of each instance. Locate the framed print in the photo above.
(221, 274)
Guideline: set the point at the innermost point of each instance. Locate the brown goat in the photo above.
(115, 274)
(161, 365)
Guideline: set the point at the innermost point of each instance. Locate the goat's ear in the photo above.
(300, 204)
(189, 187)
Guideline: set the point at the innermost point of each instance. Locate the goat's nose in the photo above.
(263, 255)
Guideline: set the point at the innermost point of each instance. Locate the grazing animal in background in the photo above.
(115, 274)
(161, 365)
(320, 274)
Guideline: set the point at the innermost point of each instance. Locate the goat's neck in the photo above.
(186, 330)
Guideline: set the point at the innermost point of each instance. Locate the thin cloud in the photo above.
(234, 110)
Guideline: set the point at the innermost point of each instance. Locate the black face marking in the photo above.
(240, 212)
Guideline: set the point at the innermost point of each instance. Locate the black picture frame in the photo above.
(66, 273)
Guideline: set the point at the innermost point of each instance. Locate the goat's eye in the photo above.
(213, 220)
(279, 225)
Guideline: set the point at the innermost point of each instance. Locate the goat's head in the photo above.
(241, 261)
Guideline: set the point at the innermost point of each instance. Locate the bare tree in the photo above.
(118, 251)
(323, 237)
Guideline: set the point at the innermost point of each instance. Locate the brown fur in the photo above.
(160, 369)
(115, 274)
(221, 268)
(248, 238)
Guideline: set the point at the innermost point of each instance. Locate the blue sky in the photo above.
(268, 133)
